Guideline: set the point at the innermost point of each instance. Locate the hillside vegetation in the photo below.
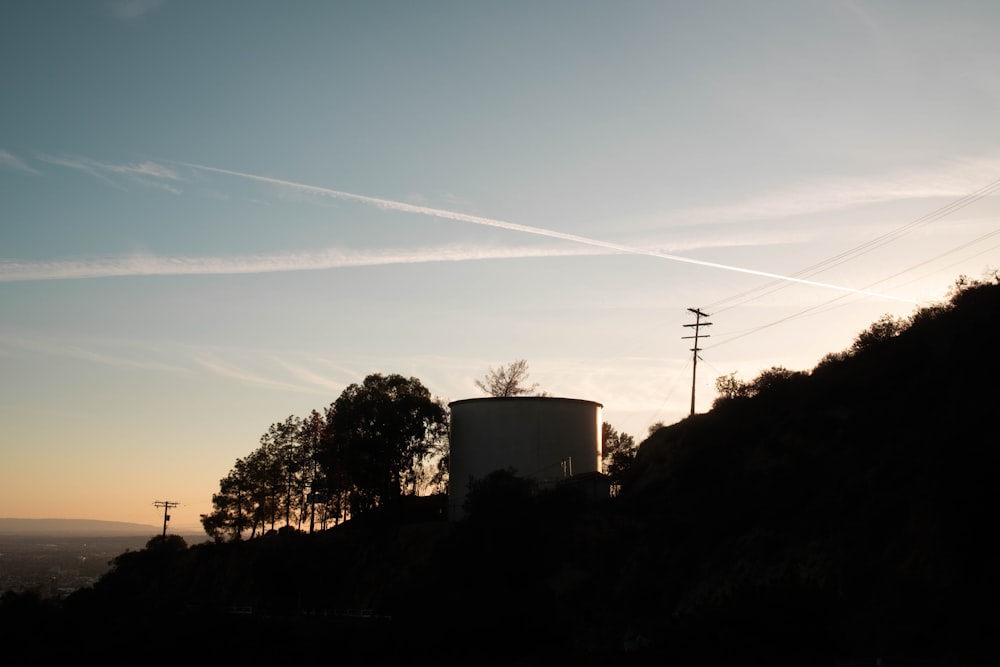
(848, 509)
(828, 517)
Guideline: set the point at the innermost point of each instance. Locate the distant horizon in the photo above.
(38, 526)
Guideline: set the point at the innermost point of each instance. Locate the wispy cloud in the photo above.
(955, 179)
(158, 175)
(403, 207)
(228, 363)
(248, 377)
(332, 258)
(312, 377)
(141, 359)
(122, 362)
(10, 161)
(146, 173)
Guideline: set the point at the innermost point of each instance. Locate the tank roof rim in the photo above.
(524, 399)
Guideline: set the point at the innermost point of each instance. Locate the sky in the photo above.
(215, 215)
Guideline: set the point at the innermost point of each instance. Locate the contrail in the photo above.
(391, 205)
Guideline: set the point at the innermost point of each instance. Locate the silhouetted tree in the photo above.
(617, 451)
(430, 476)
(771, 378)
(508, 380)
(334, 467)
(272, 483)
(167, 543)
(285, 464)
(263, 474)
(440, 481)
(379, 431)
(882, 329)
(964, 283)
(313, 486)
(833, 358)
(215, 524)
(730, 387)
(234, 504)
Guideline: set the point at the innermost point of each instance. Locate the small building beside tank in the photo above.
(544, 438)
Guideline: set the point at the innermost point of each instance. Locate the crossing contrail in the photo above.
(388, 204)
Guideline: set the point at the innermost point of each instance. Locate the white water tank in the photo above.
(541, 437)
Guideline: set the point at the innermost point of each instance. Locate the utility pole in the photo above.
(166, 505)
(697, 334)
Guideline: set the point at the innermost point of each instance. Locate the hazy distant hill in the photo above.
(79, 527)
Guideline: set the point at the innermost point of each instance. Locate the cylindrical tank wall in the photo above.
(540, 437)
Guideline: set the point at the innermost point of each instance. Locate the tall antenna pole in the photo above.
(697, 334)
(166, 505)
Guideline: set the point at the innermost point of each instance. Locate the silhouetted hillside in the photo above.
(833, 517)
(848, 509)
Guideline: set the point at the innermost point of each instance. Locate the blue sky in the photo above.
(214, 215)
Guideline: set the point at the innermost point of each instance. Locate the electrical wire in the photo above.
(988, 235)
(857, 251)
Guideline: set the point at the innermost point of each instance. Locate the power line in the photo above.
(857, 251)
(868, 246)
(697, 334)
(844, 296)
(666, 399)
(166, 505)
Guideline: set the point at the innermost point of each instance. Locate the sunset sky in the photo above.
(217, 214)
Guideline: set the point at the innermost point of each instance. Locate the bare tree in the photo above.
(508, 380)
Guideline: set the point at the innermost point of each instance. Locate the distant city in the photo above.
(55, 557)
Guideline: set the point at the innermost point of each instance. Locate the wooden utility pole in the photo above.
(166, 505)
(697, 334)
